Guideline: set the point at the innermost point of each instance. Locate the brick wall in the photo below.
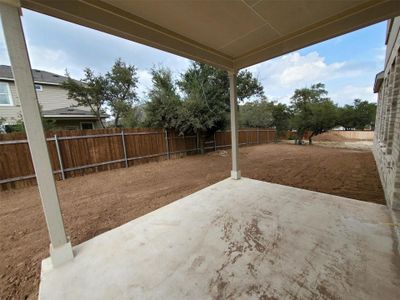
(387, 130)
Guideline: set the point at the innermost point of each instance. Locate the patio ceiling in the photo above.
(227, 34)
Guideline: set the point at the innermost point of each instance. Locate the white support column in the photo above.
(235, 173)
(60, 247)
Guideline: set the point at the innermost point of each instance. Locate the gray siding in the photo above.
(51, 97)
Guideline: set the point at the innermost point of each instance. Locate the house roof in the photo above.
(378, 81)
(227, 34)
(39, 76)
(70, 112)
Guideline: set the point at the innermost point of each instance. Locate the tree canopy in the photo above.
(134, 117)
(115, 90)
(90, 91)
(312, 111)
(197, 102)
(359, 115)
(121, 84)
(203, 106)
(163, 100)
(257, 113)
(281, 115)
(205, 102)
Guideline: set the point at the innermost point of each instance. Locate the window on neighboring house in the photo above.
(5, 94)
(87, 125)
(39, 87)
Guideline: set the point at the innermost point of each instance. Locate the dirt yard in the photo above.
(99, 202)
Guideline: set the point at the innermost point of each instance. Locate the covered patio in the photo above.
(239, 238)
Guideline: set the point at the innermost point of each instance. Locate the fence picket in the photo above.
(124, 147)
(83, 151)
(60, 162)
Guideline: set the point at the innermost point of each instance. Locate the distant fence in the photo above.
(336, 135)
(78, 152)
(355, 134)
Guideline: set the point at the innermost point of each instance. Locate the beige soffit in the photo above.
(225, 33)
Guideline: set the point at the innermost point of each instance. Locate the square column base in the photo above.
(236, 175)
(61, 254)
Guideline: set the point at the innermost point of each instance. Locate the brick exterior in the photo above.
(387, 130)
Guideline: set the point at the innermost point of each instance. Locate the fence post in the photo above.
(215, 142)
(167, 143)
(197, 143)
(123, 146)
(258, 135)
(59, 157)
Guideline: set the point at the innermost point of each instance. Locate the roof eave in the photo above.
(73, 116)
(37, 82)
(378, 81)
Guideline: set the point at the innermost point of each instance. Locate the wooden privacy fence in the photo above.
(78, 152)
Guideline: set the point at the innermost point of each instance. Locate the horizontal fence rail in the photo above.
(75, 153)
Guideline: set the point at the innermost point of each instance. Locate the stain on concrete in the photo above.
(252, 270)
(325, 293)
(246, 245)
(260, 292)
(197, 262)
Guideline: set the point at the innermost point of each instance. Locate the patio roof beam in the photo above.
(107, 18)
(260, 30)
(60, 247)
(362, 15)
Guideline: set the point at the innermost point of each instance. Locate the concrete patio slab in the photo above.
(238, 239)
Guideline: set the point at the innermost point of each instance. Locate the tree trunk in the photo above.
(200, 141)
(116, 120)
(310, 138)
(100, 120)
(299, 138)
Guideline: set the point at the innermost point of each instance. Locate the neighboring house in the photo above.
(339, 128)
(52, 98)
(387, 125)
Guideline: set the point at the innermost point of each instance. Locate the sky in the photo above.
(346, 64)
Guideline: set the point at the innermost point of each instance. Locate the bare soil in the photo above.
(99, 202)
(330, 137)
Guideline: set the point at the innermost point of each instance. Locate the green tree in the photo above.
(206, 99)
(316, 93)
(323, 117)
(359, 115)
(257, 113)
(346, 117)
(312, 111)
(163, 106)
(281, 118)
(205, 106)
(89, 92)
(364, 114)
(121, 83)
(248, 86)
(134, 117)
